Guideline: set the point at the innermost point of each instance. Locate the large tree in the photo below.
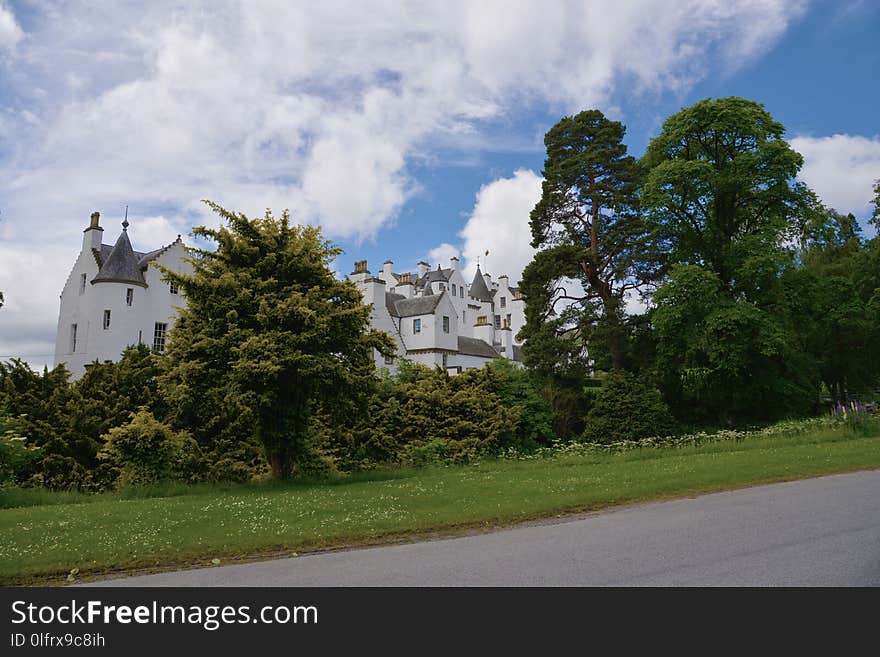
(720, 193)
(720, 190)
(586, 227)
(268, 334)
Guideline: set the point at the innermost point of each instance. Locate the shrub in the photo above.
(16, 456)
(627, 408)
(146, 451)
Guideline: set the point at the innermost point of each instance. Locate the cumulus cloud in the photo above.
(10, 32)
(499, 224)
(841, 169)
(441, 255)
(316, 107)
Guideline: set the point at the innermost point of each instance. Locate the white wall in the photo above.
(152, 304)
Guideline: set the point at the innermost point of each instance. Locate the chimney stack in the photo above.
(92, 234)
(423, 268)
(453, 263)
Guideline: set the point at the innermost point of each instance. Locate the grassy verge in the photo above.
(115, 532)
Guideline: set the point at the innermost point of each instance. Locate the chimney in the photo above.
(423, 268)
(387, 274)
(360, 273)
(484, 330)
(374, 291)
(507, 340)
(405, 286)
(453, 263)
(488, 279)
(92, 235)
(503, 280)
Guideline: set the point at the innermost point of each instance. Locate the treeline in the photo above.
(758, 303)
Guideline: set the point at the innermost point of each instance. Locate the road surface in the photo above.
(823, 532)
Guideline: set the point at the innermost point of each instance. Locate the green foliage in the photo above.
(720, 189)
(268, 332)
(516, 388)
(424, 416)
(724, 358)
(145, 451)
(627, 408)
(587, 227)
(16, 456)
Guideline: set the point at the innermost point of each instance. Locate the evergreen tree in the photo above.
(267, 334)
(587, 227)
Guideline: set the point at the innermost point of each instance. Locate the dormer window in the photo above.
(417, 326)
(504, 302)
(453, 290)
(445, 324)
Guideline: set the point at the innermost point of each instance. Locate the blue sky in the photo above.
(407, 130)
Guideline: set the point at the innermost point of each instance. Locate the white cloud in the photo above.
(10, 32)
(441, 255)
(841, 169)
(499, 224)
(316, 107)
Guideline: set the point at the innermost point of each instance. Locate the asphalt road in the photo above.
(823, 532)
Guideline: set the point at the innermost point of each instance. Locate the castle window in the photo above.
(173, 287)
(461, 291)
(129, 296)
(504, 302)
(73, 338)
(82, 283)
(453, 290)
(159, 333)
(389, 360)
(417, 326)
(463, 316)
(445, 360)
(508, 319)
(445, 324)
(498, 321)
(106, 319)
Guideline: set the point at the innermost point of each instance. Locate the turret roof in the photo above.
(478, 287)
(121, 264)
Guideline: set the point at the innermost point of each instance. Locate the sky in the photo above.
(407, 130)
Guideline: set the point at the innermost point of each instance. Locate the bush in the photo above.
(146, 451)
(16, 456)
(627, 408)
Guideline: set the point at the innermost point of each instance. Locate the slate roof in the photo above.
(400, 306)
(121, 264)
(478, 287)
(476, 347)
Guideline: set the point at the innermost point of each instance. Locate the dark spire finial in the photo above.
(125, 221)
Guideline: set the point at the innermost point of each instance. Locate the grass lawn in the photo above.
(105, 533)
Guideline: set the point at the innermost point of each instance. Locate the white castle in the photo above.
(113, 299)
(437, 318)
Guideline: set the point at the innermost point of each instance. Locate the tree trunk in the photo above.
(280, 464)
